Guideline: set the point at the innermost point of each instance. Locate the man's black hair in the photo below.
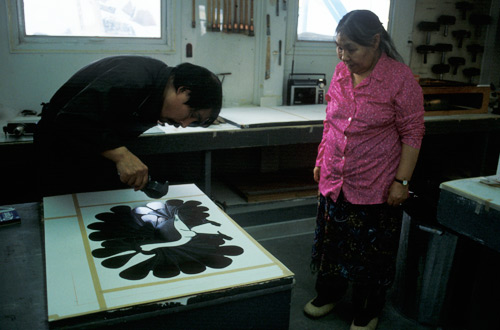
(205, 88)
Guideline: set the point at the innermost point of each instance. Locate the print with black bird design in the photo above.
(164, 233)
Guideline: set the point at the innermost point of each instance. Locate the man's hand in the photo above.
(131, 169)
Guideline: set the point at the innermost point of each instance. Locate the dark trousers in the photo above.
(368, 300)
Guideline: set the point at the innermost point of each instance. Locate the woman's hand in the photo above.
(397, 194)
(132, 170)
(317, 172)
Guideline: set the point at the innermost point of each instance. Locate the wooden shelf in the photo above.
(455, 100)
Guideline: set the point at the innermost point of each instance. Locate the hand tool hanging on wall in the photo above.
(277, 7)
(464, 6)
(251, 32)
(235, 18)
(455, 62)
(217, 26)
(443, 49)
(193, 15)
(224, 16)
(229, 17)
(479, 21)
(460, 35)
(279, 53)
(446, 20)
(475, 49)
(471, 73)
(214, 8)
(428, 27)
(242, 26)
(268, 50)
(209, 15)
(425, 49)
(442, 67)
(246, 17)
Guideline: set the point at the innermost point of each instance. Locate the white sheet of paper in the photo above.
(262, 116)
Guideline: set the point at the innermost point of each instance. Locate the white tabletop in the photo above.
(473, 189)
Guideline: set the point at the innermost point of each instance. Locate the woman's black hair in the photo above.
(361, 26)
(205, 88)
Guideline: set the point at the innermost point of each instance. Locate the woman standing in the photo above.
(372, 134)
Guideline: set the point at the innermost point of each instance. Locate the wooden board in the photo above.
(109, 251)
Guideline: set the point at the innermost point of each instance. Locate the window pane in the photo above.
(93, 18)
(318, 19)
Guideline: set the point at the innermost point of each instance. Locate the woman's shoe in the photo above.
(315, 309)
(372, 325)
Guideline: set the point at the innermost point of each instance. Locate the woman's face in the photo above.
(359, 59)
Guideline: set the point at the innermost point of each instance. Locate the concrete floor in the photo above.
(290, 242)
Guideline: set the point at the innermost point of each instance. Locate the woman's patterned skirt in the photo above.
(357, 242)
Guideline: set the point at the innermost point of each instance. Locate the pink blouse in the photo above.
(364, 129)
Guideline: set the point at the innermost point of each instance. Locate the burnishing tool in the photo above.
(474, 49)
(443, 48)
(463, 6)
(460, 35)
(428, 27)
(479, 21)
(455, 62)
(446, 20)
(441, 69)
(155, 189)
(425, 49)
(471, 72)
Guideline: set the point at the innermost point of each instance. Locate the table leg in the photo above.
(207, 173)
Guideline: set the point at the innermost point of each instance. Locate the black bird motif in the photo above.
(164, 232)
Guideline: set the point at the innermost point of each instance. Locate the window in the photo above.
(91, 25)
(318, 19)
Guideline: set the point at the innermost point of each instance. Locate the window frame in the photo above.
(304, 47)
(21, 43)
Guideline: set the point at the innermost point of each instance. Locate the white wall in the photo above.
(27, 79)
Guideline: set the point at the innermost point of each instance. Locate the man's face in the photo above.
(176, 112)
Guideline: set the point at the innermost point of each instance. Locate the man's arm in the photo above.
(131, 169)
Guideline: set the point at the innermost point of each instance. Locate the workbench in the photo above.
(472, 209)
(467, 210)
(302, 130)
(42, 289)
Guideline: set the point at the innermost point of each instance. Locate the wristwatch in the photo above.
(403, 182)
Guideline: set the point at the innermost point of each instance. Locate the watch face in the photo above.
(403, 182)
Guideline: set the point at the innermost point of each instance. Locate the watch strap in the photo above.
(403, 182)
